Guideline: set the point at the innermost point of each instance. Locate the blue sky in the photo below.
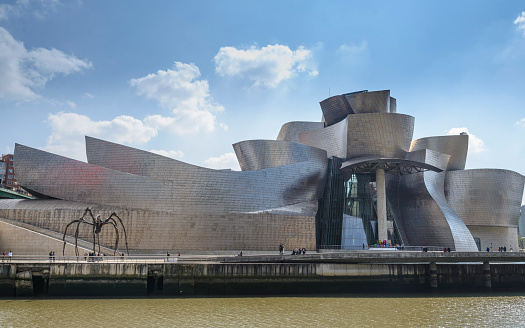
(187, 79)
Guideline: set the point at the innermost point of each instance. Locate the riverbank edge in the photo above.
(225, 279)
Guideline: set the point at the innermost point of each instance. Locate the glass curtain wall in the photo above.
(347, 217)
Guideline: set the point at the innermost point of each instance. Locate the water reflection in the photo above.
(441, 311)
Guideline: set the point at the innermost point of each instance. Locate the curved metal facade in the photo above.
(425, 214)
(158, 232)
(290, 131)
(379, 134)
(263, 154)
(488, 201)
(189, 189)
(521, 225)
(332, 139)
(168, 204)
(488, 197)
(455, 145)
(369, 102)
(335, 109)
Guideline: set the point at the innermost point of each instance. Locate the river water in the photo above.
(487, 310)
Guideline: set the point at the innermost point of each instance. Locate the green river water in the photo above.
(487, 310)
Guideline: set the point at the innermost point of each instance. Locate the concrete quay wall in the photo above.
(186, 280)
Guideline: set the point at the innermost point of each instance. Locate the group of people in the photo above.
(298, 251)
(500, 248)
(384, 244)
(92, 256)
(295, 251)
(9, 256)
(52, 256)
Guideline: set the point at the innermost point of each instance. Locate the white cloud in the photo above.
(71, 104)
(520, 21)
(24, 71)
(225, 161)
(267, 66)
(176, 154)
(188, 98)
(69, 129)
(38, 8)
(521, 122)
(475, 144)
(88, 95)
(352, 54)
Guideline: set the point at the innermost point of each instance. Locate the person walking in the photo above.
(10, 255)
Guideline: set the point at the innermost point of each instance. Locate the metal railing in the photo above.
(338, 248)
(108, 259)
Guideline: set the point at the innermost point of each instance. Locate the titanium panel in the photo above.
(335, 109)
(393, 105)
(521, 225)
(290, 131)
(385, 135)
(185, 188)
(262, 154)
(454, 145)
(332, 139)
(158, 232)
(369, 102)
(487, 197)
(425, 214)
(497, 236)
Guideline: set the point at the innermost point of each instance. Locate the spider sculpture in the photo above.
(97, 225)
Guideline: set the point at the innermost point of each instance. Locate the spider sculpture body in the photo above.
(97, 225)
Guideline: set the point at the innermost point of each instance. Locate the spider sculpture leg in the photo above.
(114, 224)
(94, 225)
(76, 235)
(65, 232)
(98, 242)
(94, 244)
(123, 228)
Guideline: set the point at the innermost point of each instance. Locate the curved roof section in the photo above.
(335, 109)
(262, 154)
(489, 197)
(385, 135)
(169, 185)
(333, 139)
(454, 145)
(290, 131)
(135, 161)
(369, 102)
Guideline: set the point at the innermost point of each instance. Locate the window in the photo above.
(10, 164)
(9, 182)
(10, 176)
(10, 170)
(11, 159)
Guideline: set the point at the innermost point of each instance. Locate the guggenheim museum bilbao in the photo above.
(349, 181)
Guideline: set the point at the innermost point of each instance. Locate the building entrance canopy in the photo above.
(395, 166)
